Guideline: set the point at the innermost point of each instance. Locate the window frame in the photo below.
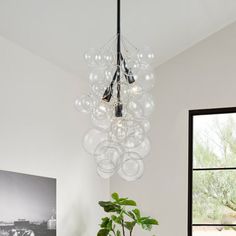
(192, 114)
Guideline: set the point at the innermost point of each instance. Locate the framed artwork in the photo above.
(27, 205)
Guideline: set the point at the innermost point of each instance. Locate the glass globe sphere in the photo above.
(135, 134)
(108, 156)
(101, 115)
(145, 55)
(84, 104)
(124, 92)
(132, 167)
(98, 89)
(146, 125)
(119, 130)
(89, 57)
(135, 108)
(145, 79)
(142, 149)
(109, 57)
(105, 174)
(92, 138)
(141, 107)
(99, 59)
(147, 103)
(97, 76)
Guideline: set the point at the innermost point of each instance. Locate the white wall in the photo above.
(40, 134)
(201, 77)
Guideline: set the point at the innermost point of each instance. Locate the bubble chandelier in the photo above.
(119, 104)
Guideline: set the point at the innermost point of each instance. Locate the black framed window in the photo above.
(212, 172)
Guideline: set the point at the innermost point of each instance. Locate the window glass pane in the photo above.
(214, 197)
(214, 140)
(213, 231)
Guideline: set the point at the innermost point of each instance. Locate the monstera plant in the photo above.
(123, 216)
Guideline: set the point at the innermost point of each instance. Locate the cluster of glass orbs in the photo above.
(118, 144)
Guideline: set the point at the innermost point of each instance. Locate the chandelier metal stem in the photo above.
(119, 106)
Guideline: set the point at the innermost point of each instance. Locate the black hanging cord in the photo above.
(118, 108)
(117, 76)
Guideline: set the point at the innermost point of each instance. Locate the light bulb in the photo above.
(119, 130)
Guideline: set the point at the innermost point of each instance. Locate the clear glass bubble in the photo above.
(101, 115)
(148, 104)
(146, 125)
(145, 79)
(119, 130)
(142, 149)
(110, 72)
(98, 89)
(135, 108)
(132, 167)
(84, 104)
(124, 92)
(108, 156)
(141, 107)
(105, 174)
(97, 76)
(146, 55)
(135, 134)
(109, 57)
(99, 59)
(92, 138)
(90, 56)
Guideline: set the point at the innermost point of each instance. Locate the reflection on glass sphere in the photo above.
(132, 167)
(135, 134)
(142, 149)
(109, 57)
(92, 138)
(98, 89)
(147, 104)
(141, 107)
(99, 59)
(84, 104)
(97, 76)
(146, 55)
(108, 156)
(145, 79)
(104, 174)
(119, 130)
(101, 115)
(146, 125)
(89, 57)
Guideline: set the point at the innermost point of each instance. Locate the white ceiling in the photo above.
(62, 30)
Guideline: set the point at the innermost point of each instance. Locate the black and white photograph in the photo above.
(27, 205)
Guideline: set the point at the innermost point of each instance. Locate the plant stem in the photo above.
(123, 227)
(114, 232)
(130, 233)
